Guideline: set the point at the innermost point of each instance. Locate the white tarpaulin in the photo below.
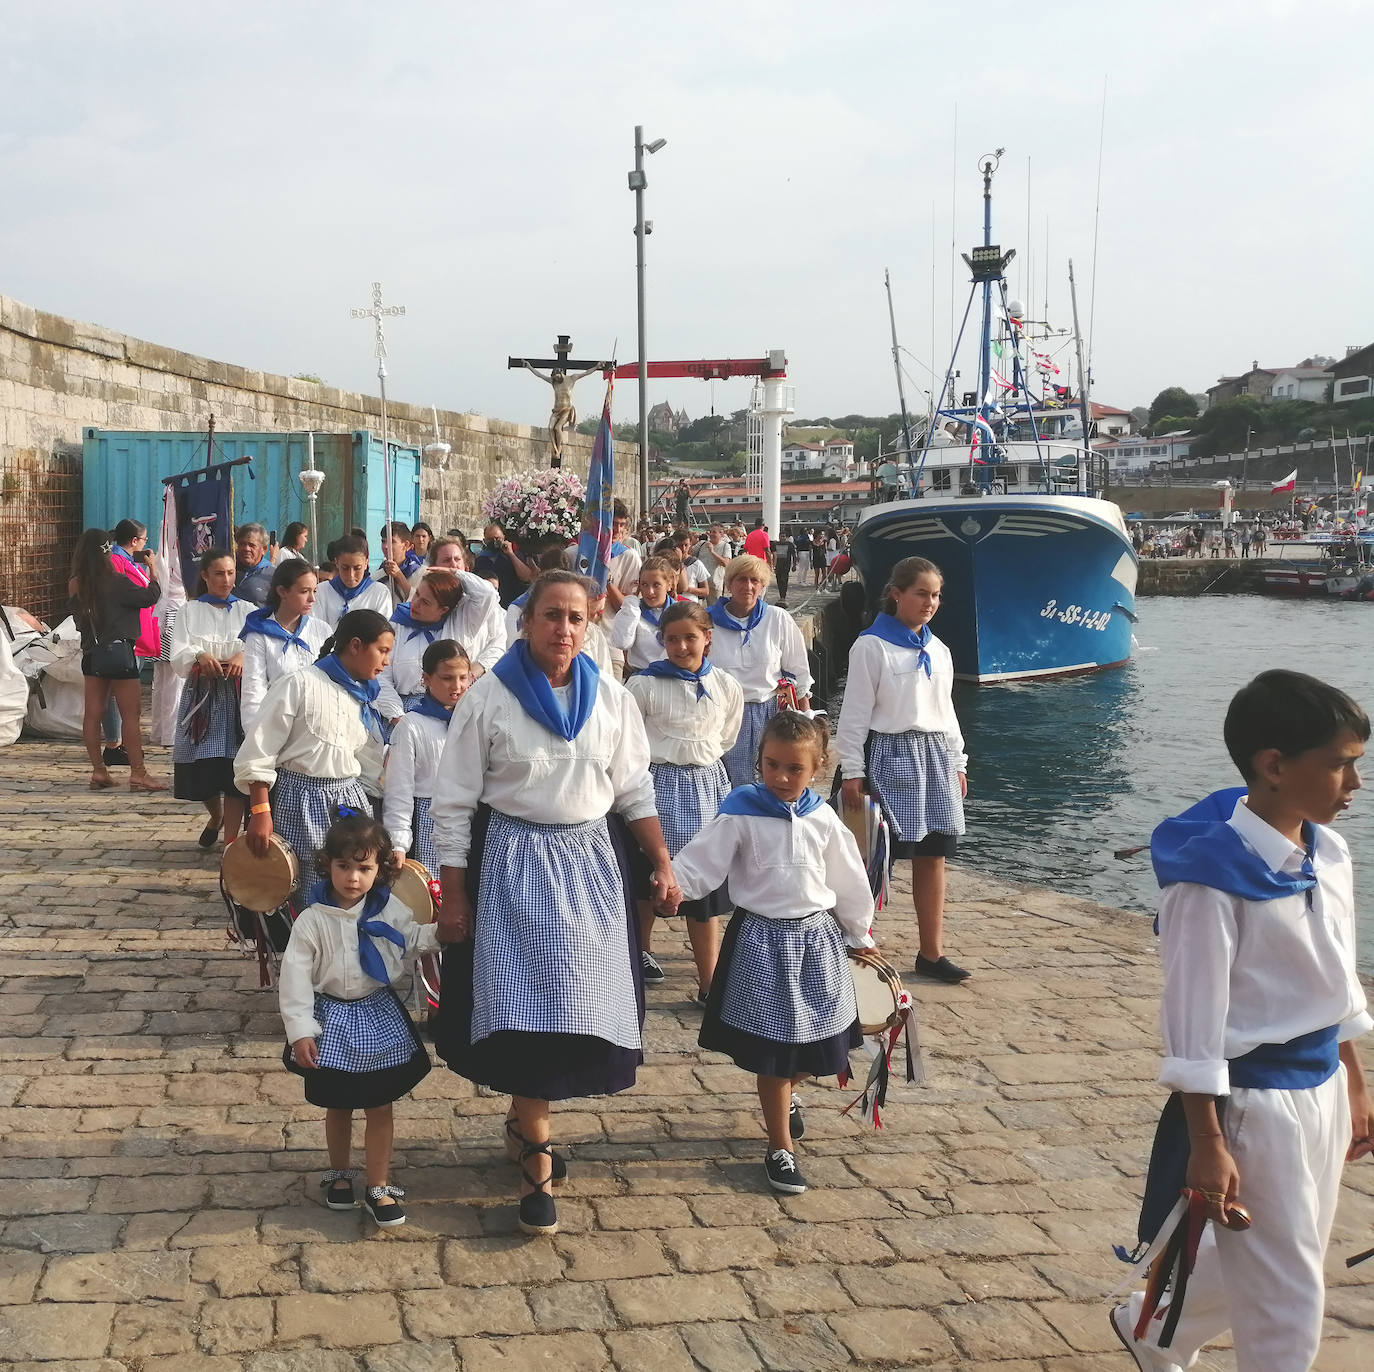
(14, 694)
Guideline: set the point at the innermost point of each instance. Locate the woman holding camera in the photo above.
(108, 611)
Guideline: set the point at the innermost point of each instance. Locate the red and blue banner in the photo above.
(594, 545)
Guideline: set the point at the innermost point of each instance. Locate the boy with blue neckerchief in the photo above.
(1260, 1012)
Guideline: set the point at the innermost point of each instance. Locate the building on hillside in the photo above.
(1308, 380)
(1109, 421)
(1134, 455)
(832, 458)
(666, 420)
(813, 502)
(1353, 376)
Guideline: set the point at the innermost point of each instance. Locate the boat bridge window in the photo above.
(939, 478)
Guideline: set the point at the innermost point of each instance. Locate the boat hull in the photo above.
(1035, 586)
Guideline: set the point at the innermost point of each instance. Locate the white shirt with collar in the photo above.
(476, 623)
(412, 763)
(636, 636)
(330, 606)
(888, 692)
(683, 729)
(267, 660)
(623, 570)
(495, 753)
(311, 726)
(1240, 973)
(775, 646)
(322, 955)
(204, 628)
(782, 868)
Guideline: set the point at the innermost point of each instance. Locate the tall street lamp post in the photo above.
(643, 228)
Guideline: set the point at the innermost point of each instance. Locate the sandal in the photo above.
(99, 783)
(538, 1214)
(515, 1141)
(144, 782)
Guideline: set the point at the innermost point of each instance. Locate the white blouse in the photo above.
(322, 955)
(309, 725)
(202, 628)
(782, 868)
(329, 604)
(775, 646)
(888, 692)
(636, 636)
(267, 660)
(622, 571)
(682, 729)
(1239, 973)
(497, 754)
(412, 762)
(475, 623)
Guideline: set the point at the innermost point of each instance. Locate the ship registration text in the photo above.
(1076, 614)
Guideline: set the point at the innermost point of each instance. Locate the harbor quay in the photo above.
(160, 1206)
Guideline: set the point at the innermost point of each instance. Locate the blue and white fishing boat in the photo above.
(1040, 574)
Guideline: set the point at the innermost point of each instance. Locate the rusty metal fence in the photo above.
(40, 521)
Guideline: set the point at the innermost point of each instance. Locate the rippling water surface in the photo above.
(1062, 774)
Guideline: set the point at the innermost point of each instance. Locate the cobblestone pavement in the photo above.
(160, 1203)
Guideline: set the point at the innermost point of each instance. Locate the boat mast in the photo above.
(985, 343)
(901, 395)
(1083, 406)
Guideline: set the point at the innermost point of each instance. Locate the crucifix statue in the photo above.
(562, 416)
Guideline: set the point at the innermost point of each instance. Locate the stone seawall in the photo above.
(57, 376)
(1196, 576)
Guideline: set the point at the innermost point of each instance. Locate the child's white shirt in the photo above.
(412, 762)
(888, 692)
(1240, 973)
(267, 660)
(322, 956)
(636, 636)
(782, 868)
(330, 607)
(683, 729)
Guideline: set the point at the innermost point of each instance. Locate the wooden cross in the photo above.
(562, 417)
(561, 362)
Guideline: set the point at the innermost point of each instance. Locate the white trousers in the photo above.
(1265, 1284)
(166, 701)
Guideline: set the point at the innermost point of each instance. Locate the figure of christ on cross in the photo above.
(563, 415)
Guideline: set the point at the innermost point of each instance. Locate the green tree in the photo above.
(1172, 400)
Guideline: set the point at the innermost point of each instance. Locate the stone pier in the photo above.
(159, 1170)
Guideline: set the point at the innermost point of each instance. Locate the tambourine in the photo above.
(260, 884)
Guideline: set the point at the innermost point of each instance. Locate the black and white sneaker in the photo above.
(783, 1175)
(386, 1216)
(796, 1125)
(653, 973)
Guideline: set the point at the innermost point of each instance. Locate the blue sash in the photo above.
(223, 604)
(1298, 1065)
(347, 596)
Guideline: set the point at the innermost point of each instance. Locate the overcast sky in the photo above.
(230, 182)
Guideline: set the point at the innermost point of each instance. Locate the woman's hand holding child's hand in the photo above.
(668, 895)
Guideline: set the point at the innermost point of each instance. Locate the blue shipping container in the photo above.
(123, 472)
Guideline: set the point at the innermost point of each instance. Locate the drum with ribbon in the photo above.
(869, 826)
(886, 1012)
(877, 989)
(420, 894)
(257, 893)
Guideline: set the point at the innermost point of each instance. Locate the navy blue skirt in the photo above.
(539, 1066)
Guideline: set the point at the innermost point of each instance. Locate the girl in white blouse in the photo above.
(782, 1003)
(542, 996)
(347, 1032)
(282, 637)
(635, 628)
(899, 738)
(316, 746)
(759, 645)
(413, 757)
(692, 715)
(207, 654)
(351, 587)
(444, 604)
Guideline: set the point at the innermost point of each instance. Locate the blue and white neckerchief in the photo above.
(653, 616)
(265, 622)
(891, 630)
(349, 596)
(662, 667)
(119, 550)
(426, 705)
(411, 563)
(517, 672)
(220, 602)
(723, 619)
(756, 799)
(364, 692)
(402, 615)
(369, 927)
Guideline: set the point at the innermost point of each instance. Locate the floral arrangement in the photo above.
(533, 505)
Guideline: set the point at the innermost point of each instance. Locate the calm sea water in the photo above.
(1062, 774)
